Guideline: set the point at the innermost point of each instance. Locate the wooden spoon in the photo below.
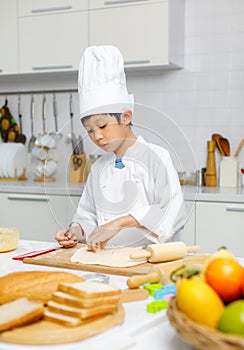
(216, 137)
(241, 144)
(225, 146)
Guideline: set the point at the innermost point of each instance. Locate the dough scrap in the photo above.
(112, 257)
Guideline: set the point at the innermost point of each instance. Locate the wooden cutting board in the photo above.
(61, 258)
(46, 333)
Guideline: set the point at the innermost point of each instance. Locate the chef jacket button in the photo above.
(105, 219)
(137, 180)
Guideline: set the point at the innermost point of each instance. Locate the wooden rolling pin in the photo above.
(138, 280)
(165, 252)
(161, 272)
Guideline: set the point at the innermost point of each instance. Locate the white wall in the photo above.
(204, 97)
(207, 96)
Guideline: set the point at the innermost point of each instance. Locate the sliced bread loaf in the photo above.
(19, 312)
(72, 300)
(62, 319)
(89, 289)
(82, 313)
(34, 285)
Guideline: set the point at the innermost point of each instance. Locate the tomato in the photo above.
(232, 319)
(199, 301)
(225, 276)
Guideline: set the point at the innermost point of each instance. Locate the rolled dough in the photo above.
(112, 257)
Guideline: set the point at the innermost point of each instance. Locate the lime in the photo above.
(232, 318)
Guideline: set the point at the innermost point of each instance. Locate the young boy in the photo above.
(132, 196)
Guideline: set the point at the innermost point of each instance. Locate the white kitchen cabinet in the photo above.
(8, 37)
(52, 34)
(148, 33)
(189, 228)
(38, 217)
(42, 7)
(220, 224)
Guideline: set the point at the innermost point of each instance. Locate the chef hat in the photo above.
(102, 82)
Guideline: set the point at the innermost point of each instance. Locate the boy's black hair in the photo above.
(116, 115)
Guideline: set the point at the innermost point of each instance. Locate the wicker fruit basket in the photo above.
(201, 337)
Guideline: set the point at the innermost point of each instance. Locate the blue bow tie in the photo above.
(118, 163)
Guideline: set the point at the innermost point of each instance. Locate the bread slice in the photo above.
(82, 313)
(34, 285)
(72, 300)
(89, 289)
(19, 312)
(62, 319)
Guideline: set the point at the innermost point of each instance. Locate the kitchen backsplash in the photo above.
(189, 104)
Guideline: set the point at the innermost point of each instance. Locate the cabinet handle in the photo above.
(52, 67)
(1, 70)
(241, 210)
(137, 61)
(49, 9)
(114, 2)
(20, 197)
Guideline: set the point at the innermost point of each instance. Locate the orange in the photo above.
(225, 276)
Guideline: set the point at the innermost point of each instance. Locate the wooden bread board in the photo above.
(61, 258)
(46, 333)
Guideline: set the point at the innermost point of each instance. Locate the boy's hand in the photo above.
(102, 234)
(67, 239)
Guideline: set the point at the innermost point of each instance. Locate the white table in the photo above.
(140, 330)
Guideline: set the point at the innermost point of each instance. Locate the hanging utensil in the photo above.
(33, 137)
(71, 136)
(38, 142)
(44, 114)
(21, 138)
(47, 139)
(58, 134)
(40, 136)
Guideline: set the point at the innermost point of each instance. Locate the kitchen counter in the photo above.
(193, 193)
(49, 188)
(214, 194)
(140, 330)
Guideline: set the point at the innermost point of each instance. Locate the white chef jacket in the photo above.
(147, 188)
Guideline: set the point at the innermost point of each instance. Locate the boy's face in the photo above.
(106, 132)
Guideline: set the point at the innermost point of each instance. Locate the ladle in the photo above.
(46, 139)
(58, 134)
(38, 142)
(33, 137)
(71, 138)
